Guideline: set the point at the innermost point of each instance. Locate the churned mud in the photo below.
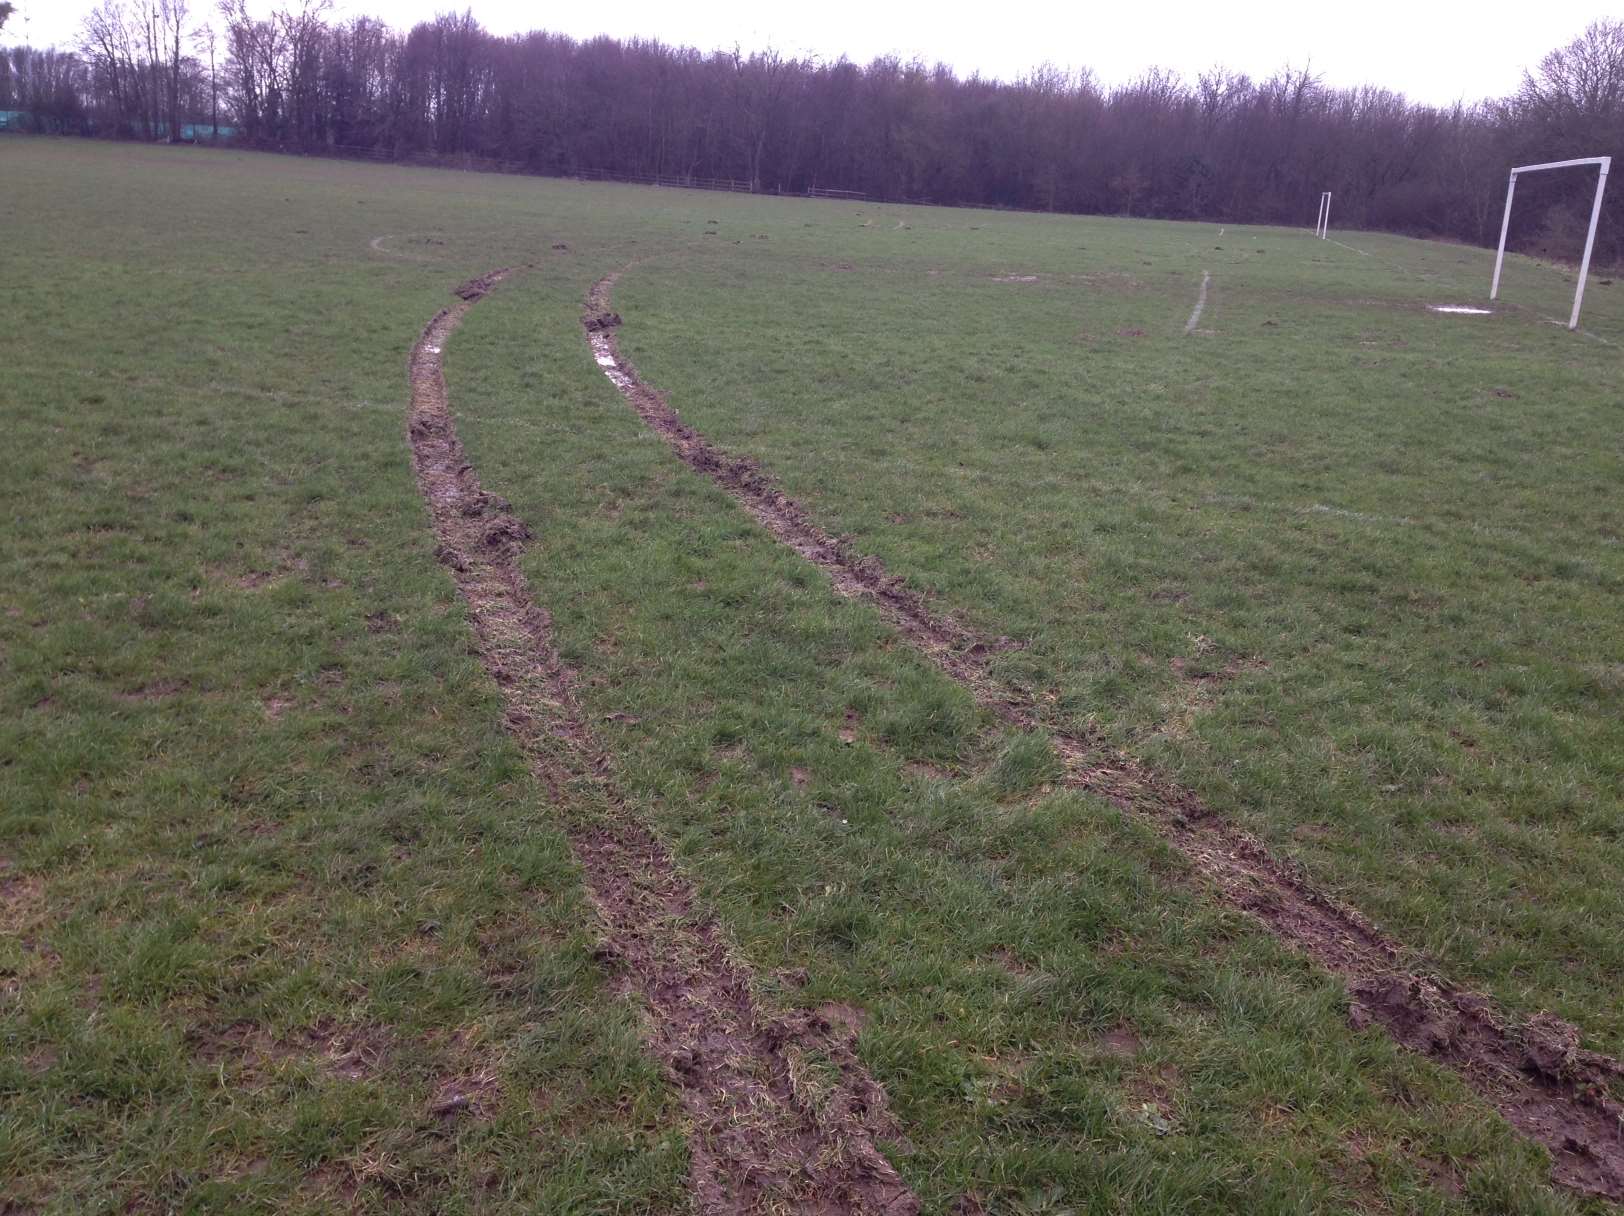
(1535, 1075)
(763, 1139)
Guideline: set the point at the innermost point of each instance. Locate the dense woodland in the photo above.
(1222, 147)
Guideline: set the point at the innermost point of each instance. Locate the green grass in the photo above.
(277, 878)
(309, 836)
(1398, 528)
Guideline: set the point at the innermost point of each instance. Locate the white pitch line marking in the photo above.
(1200, 302)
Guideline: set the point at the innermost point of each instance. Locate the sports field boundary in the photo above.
(757, 1142)
(1535, 1074)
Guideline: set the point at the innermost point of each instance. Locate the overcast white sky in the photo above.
(1431, 51)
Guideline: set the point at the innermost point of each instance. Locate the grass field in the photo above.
(289, 923)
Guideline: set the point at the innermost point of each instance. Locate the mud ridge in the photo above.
(761, 1140)
(1535, 1075)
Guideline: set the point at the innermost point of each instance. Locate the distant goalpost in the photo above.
(1590, 238)
(1322, 225)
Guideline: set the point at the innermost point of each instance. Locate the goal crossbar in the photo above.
(1605, 163)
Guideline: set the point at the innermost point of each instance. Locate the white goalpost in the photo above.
(1322, 225)
(1590, 238)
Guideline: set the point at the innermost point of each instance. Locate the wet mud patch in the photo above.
(157, 690)
(1570, 1112)
(760, 1141)
(1197, 690)
(1119, 1042)
(1364, 1164)
(335, 1181)
(287, 565)
(474, 1095)
(347, 1053)
(276, 705)
(350, 1053)
(382, 622)
(1151, 1101)
(22, 902)
(1010, 963)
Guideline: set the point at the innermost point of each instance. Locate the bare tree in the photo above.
(1224, 146)
(172, 16)
(759, 83)
(205, 41)
(109, 43)
(1582, 82)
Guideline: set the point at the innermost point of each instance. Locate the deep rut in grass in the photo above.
(785, 1118)
(1535, 1075)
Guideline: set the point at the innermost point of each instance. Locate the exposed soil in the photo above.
(1197, 691)
(1121, 1042)
(759, 1142)
(22, 902)
(1535, 1075)
(350, 1053)
(158, 690)
(474, 1095)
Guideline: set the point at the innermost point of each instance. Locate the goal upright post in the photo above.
(1604, 163)
(1590, 241)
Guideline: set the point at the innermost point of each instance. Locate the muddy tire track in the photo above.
(1535, 1074)
(763, 1139)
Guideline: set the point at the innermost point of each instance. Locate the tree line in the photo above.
(1224, 146)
